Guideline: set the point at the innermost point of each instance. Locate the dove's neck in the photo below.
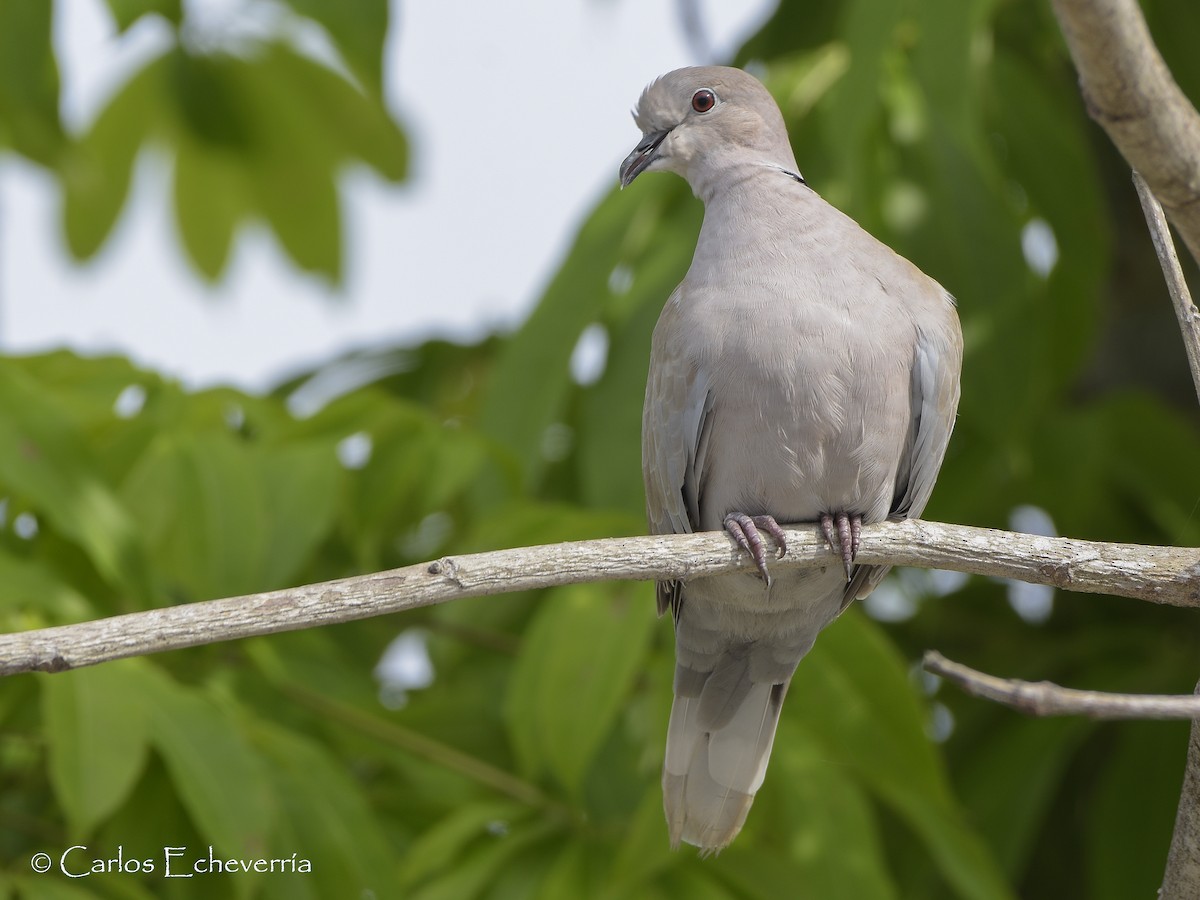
(756, 205)
(724, 175)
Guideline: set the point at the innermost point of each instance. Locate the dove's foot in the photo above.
(744, 530)
(843, 531)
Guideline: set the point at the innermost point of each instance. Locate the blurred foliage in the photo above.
(530, 767)
(257, 129)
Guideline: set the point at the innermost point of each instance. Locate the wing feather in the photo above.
(676, 423)
(934, 390)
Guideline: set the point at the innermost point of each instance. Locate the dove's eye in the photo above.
(703, 101)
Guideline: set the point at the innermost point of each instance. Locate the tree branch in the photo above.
(1169, 575)
(1130, 91)
(1181, 297)
(1181, 880)
(1042, 698)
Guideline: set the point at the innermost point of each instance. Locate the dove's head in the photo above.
(698, 122)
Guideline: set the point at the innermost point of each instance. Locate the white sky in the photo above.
(518, 115)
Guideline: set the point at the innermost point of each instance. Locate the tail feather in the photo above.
(718, 745)
(725, 689)
(738, 753)
(699, 810)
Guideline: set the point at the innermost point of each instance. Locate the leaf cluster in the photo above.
(256, 129)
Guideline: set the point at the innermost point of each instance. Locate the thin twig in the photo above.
(1169, 575)
(1181, 297)
(1041, 698)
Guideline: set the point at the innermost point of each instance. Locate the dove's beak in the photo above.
(643, 154)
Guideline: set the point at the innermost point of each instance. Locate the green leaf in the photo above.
(210, 96)
(580, 657)
(97, 172)
(753, 871)
(643, 852)
(854, 685)
(86, 388)
(327, 818)
(44, 458)
(993, 289)
(417, 467)
(308, 221)
(357, 126)
(472, 874)
(828, 820)
(531, 381)
(1083, 450)
(220, 779)
(298, 519)
(154, 812)
(291, 123)
(262, 133)
(27, 585)
(209, 200)
(445, 842)
(867, 28)
(29, 120)
(942, 58)
(572, 869)
(1165, 484)
(359, 29)
(793, 26)
(1172, 23)
(1134, 787)
(96, 734)
(1008, 782)
(226, 517)
(49, 887)
(202, 512)
(567, 875)
(853, 692)
(696, 883)
(610, 416)
(1045, 141)
(265, 135)
(248, 108)
(291, 171)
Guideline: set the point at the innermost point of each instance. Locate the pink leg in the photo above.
(744, 530)
(843, 532)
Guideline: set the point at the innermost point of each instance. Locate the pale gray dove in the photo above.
(801, 372)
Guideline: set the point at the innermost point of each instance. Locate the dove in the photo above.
(802, 371)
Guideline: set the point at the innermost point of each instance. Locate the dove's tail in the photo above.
(718, 744)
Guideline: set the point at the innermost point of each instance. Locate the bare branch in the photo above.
(1181, 297)
(1181, 881)
(1130, 91)
(1157, 574)
(1041, 698)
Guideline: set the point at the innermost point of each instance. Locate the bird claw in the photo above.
(843, 532)
(744, 530)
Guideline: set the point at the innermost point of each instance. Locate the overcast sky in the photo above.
(463, 248)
